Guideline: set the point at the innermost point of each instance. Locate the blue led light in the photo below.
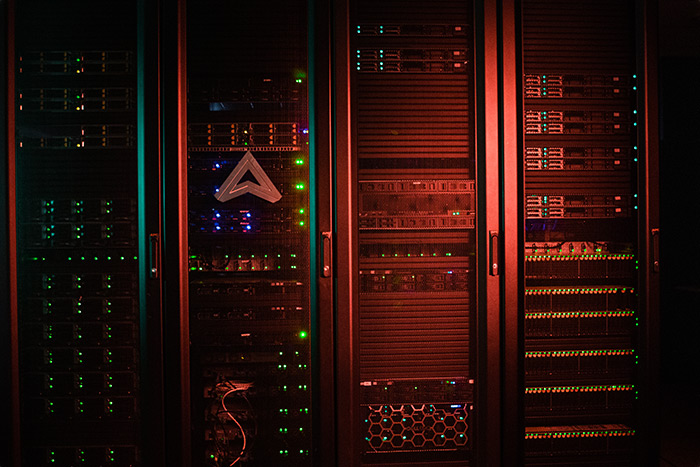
(247, 214)
(247, 227)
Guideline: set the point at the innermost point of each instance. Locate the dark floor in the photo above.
(680, 376)
(680, 426)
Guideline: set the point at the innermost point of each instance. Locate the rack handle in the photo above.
(326, 254)
(153, 255)
(655, 257)
(493, 253)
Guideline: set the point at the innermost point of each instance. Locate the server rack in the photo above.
(74, 243)
(588, 229)
(251, 283)
(208, 363)
(409, 214)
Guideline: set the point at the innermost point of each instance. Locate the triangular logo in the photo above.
(231, 188)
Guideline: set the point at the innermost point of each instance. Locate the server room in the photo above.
(349, 233)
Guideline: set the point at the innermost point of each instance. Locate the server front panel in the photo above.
(248, 184)
(76, 186)
(580, 162)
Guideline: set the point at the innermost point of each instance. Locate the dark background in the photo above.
(679, 99)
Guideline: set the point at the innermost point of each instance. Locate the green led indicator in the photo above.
(303, 334)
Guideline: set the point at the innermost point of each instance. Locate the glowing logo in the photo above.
(232, 188)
